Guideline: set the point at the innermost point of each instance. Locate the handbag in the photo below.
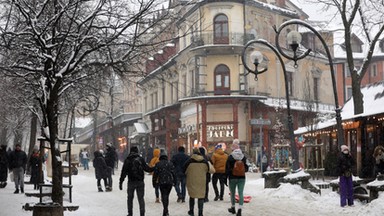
(211, 168)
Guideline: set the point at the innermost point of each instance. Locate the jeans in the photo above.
(180, 187)
(165, 190)
(139, 187)
(157, 191)
(18, 174)
(346, 190)
(221, 178)
(85, 164)
(239, 183)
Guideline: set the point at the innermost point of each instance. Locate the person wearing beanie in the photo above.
(196, 169)
(235, 159)
(178, 160)
(235, 144)
(219, 160)
(164, 177)
(133, 168)
(345, 164)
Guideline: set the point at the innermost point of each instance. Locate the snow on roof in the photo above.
(373, 96)
(82, 122)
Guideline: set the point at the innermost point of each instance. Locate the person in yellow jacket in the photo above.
(219, 160)
(152, 163)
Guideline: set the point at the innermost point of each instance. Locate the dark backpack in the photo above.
(238, 168)
(136, 168)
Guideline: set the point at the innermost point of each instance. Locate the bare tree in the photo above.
(364, 18)
(50, 47)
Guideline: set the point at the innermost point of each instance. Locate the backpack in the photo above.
(136, 168)
(238, 168)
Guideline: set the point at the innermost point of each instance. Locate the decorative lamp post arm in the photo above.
(295, 58)
(294, 152)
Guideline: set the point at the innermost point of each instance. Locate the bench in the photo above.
(50, 185)
(375, 187)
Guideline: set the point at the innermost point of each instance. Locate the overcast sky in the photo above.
(314, 11)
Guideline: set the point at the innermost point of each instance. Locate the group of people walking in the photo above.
(187, 173)
(104, 167)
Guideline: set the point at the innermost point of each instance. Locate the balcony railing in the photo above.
(233, 38)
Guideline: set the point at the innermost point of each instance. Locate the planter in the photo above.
(48, 209)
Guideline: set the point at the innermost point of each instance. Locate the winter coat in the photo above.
(345, 163)
(33, 165)
(18, 159)
(164, 172)
(134, 167)
(178, 161)
(110, 157)
(102, 171)
(196, 169)
(219, 160)
(233, 157)
(3, 165)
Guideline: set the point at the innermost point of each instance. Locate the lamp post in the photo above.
(294, 40)
(257, 58)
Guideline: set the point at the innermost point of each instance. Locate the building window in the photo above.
(221, 29)
(349, 92)
(290, 82)
(316, 88)
(347, 72)
(184, 84)
(374, 70)
(222, 80)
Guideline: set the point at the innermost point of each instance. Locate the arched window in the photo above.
(220, 29)
(222, 80)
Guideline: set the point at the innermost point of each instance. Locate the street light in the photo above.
(256, 61)
(294, 40)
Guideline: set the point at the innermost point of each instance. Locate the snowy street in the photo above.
(285, 200)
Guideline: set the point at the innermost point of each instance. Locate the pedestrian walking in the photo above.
(3, 166)
(219, 161)
(164, 177)
(85, 159)
(17, 163)
(203, 152)
(196, 169)
(110, 160)
(178, 161)
(236, 167)
(102, 171)
(345, 165)
(134, 167)
(33, 166)
(152, 163)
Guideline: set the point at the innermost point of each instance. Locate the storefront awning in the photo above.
(141, 129)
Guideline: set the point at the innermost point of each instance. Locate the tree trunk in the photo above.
(48, 210)
(358, 101)
(32, 137)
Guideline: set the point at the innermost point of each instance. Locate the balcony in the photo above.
(207, 41)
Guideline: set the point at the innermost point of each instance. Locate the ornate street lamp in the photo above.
(256, 59)
(294, 40)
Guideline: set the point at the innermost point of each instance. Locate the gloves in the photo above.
(121, 185)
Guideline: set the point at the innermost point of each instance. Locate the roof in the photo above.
(373, 96)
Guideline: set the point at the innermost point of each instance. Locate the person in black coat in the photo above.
(110, 159)
(17, 163)
(134, 167)
(33, 165)
(178, 161)
(3, 166)
(345, 163)
(101, 170)
(164, 177)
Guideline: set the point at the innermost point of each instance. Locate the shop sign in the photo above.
(219, 131)
(187, 129)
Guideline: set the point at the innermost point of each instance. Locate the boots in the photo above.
(238, 212)
(232, 210)
(100, 190)
(22, 189)
(16, 191)
(190, 213)
(157, 200)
